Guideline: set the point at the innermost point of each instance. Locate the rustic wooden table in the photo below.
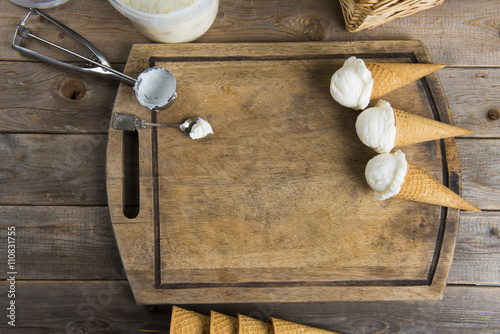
(53, 123)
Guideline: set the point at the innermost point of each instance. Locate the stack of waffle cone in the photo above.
(188, 322)
(247, 325)
(421, 187)
(287, 327)
(411, 129)
(223, 324)
(391, 76)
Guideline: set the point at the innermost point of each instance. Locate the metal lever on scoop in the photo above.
(101, 65)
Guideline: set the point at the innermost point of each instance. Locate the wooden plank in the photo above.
(29, 178)
(38, 97)
(473, 98)
(61, 169)
(477, 251)
(471, 94)
(66, 242)
(275, 21)
(40, 169)
(480, 165)
(62, 242)
(109, 307)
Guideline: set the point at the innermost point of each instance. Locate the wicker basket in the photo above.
(367, 14)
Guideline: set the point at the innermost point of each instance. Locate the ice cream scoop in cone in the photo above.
(382, 128)
(390, 175)
(223, 324)
(411, 129)
(247, 325)
(287, 327)
(391, 76)
(421, 187)
(356, 83)
(188, 322)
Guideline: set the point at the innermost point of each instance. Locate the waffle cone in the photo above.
(287, 327)
(222, 324)
(411, 129)
(188, 322)
(421, 187)
(391, 76)
(247, 325)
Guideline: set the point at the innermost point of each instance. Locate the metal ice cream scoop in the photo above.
(155, 88)
(129, 122)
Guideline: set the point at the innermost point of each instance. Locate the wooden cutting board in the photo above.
(273, 207)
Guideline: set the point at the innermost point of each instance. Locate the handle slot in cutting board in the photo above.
(131, 196)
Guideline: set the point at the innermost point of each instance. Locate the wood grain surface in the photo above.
(44, 99)
(481, 180)
(56, 235)
(477, 252)
(37, 169)
(276, 200)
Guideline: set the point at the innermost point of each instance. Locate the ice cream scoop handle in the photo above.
(143, 124)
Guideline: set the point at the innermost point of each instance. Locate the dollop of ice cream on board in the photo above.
(201, 129)
(376, 127)
(351, 86)
(385, 174)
